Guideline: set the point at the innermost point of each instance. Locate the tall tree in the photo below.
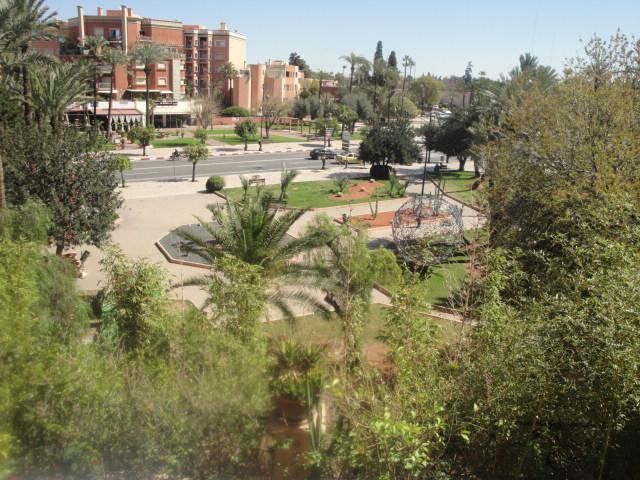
(55, 88)
(393, 61)
(65, 170)
(378, 54)
(229, 72)
(148, 54)
(355, 61)
(114, 57)
(96, 47)
(425, 91)
(25, 21)
(296, 59)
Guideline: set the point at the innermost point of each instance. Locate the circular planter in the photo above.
(290, 408)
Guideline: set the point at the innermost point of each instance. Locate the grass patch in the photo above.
(108, 147)
(174, 142)
(444, 279)
(458, 185)
(316, 329)
(308, 194)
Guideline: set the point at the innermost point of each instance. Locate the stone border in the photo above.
(173, 260)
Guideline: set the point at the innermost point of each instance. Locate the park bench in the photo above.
(256, 180)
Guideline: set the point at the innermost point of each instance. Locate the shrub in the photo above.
(215, 184)
(236, 112)
(341, 184)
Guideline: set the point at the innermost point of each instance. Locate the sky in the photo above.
(441, 36)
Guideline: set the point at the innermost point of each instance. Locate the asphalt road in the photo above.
(146, 170)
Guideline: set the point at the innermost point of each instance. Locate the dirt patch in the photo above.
(383, 219)
(358, 190)
(377, 355)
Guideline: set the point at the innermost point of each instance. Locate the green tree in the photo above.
(347, 117)
(194, 154)
(96, 47)
(355, 61)
(425, 91)
(135, 302)
(148, 54)
(142, 135)
(378, 54)
(388, 144)
(201, 134)
(393, 61)
(25, 21)
(456, 136)
(286, 177)
(121, 163)
(246, 130)
(66, 173)
(114, 57)
(295, 59)
(54, 89)
(228, 72)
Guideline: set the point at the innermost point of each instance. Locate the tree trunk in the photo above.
(122, 177)
(146, 94)
(246, 147)
(461, 161)
(25, 91)
(59, 248)
(3, 198)
(193, 172)
(353, 68)
(144, 148)
(113, 71)
(95, 101)
(476, 168)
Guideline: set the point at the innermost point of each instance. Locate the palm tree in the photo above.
(355, 61)
(54, 89)
(148, 54)
(286, 177)
(24, 21)
(228, 71)
(96, 47)
(115, 58)
(256, 233)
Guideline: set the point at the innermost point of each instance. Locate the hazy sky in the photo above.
(441, 36)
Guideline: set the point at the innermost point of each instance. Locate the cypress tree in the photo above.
(393, 61)
(378, 54)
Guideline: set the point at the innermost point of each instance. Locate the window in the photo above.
(98, 32)
(220, 43)
(218, 56)
(161, 66)
(114, 33)
(162, 82)
(195, 54)
(140, 81)
(195, 68)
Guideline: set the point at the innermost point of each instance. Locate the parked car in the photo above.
(348, 157)
(316, 153)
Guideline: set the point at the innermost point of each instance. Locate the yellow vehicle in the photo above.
(348, 158)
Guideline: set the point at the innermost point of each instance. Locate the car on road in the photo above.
(316, 153)
(347, 158)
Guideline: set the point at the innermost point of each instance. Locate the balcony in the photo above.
(102, 86)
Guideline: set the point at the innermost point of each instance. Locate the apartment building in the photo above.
(124, 28)
(206, 51)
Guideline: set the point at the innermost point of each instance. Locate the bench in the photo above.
(256, 180)
(277, 203)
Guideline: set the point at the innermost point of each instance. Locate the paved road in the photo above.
(145, 170)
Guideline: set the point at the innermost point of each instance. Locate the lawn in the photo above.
(444, 279)
(458, 185)
(308, 194)
(316, 329)
(174, 142)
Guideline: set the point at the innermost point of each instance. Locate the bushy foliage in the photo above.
(215, 184)
(236, 112)
(390, 143)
